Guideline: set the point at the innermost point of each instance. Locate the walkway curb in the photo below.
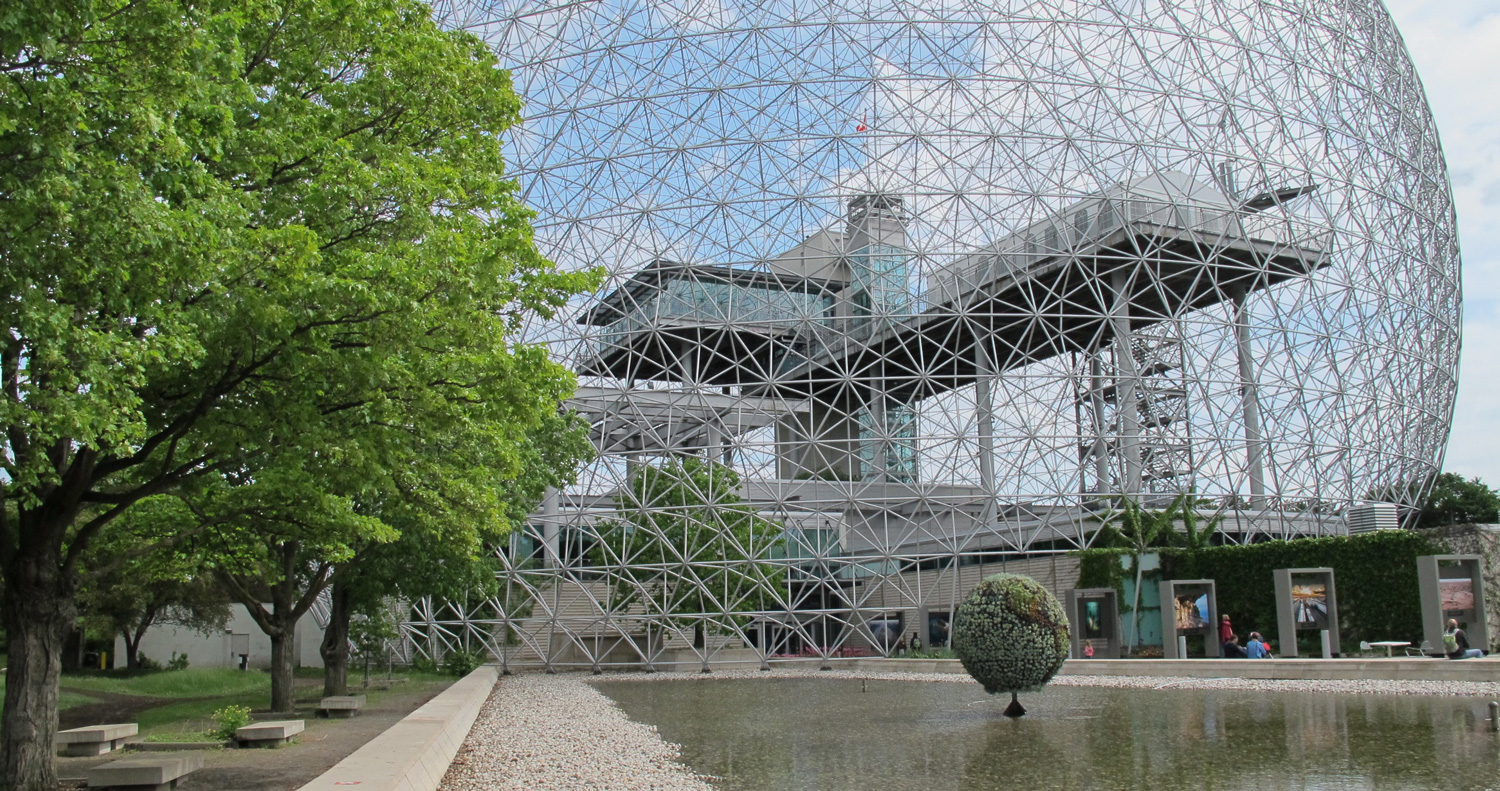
(414, 754)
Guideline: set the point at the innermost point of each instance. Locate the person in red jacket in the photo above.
(1226, 630)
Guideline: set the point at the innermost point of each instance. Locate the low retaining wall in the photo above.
(414, 754)
(1487, 669)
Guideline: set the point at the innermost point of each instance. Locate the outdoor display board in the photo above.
(1189, 607)
(1306, 600)
(1453, 587)
(1095, 616)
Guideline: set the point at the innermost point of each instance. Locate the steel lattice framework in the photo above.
(898, 291)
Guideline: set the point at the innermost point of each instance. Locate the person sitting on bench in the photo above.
(1257, 647)
(1231, 649)
(1456, 643)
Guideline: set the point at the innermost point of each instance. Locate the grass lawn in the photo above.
(190, 683)
(66, 699)
(188, 698)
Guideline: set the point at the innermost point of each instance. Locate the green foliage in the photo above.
(178, 661)
(460, 662)
(371, 631)
(1137, 529)
(262, 256)
(1375, 574)
(1101, 568)
(1010, 634)
(143, 578)
(147, 664)
(228, 720)
(1454, 500)
(681, 512)
(422, 664)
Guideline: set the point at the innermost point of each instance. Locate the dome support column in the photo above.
(1249, 403)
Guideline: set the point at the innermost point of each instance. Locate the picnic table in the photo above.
(1390, 645)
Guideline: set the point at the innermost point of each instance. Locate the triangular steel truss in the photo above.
(941, 282)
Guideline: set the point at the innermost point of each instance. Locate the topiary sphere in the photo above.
(1010, 634)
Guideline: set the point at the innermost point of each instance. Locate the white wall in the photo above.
(213, 650)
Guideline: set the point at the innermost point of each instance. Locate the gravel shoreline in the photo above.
(1488, 689)
(561, 734)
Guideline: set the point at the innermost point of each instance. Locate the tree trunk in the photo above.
(698, 635)
(133, 647)
(38, 611)
(335, 646)
(283, 669)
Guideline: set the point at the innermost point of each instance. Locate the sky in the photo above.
(1456, 47)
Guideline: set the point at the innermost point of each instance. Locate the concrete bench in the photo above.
(95, 739)
(157, 773)
(341, 705)
(268, 734)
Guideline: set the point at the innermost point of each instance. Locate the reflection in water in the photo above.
(825, 734)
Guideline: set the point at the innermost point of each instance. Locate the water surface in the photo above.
(825, 734)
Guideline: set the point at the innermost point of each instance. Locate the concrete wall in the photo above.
(1482, 540)
(213, 650)
(920, 593)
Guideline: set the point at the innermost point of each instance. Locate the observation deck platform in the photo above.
(1031, 305)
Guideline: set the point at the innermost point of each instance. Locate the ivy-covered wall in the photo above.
(1376, 575)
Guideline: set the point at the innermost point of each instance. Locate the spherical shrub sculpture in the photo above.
(1011, 635)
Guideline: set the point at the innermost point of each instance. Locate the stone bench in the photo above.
(95, 739)
(341, 705)
(157, 773)
(268, 734)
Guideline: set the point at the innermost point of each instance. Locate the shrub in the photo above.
(459, 662)
(146, 663)
(422, 664)
(1010, 634)
(177, 662)
(228, 720)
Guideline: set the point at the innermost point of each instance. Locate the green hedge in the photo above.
(1375, 576)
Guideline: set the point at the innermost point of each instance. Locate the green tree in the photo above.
(685, 544)
(1454, 500)
(138, 583)
(445, 546)
(1138, 530)
(230, 228)
(1195, 533)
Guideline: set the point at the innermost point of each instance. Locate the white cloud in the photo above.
(1456, 46)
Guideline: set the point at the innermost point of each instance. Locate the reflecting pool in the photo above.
(826, 734)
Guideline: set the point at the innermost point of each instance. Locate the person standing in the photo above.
(1226, 630)
(1456, 642)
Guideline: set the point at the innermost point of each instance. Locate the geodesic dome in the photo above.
(939, 281)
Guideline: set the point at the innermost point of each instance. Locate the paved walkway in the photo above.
(323, 744)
